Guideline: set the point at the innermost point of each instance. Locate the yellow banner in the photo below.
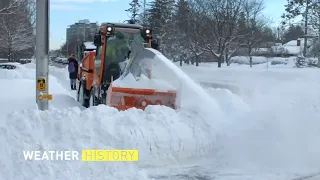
(110, 155)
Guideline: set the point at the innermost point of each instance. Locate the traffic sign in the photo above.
(41, 84)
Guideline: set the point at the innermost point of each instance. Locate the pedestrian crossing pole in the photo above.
(42, 54)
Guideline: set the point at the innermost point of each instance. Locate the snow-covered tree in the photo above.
(253, 26)
(160, 18)
(7, 6)
(315, 21)
(304, 8)
(17, 32)
(294, 32)
(222, 21)
(134, 9)
(182, 29)
(198, 30)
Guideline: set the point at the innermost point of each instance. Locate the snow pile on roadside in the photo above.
(261, 60)
(21, 72)
(162, 136)
(19, 92)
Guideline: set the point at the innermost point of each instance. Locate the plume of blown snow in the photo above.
(193, 98)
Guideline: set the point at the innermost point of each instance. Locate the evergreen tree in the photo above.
(182, 16)
(242, 27)
(267, 35)
(293, 33)
(134, 9)
(296, 8)
(160, 15)
(182, 30)
(143, 16)
(160, 18)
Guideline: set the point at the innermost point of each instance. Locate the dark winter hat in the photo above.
(72, 57)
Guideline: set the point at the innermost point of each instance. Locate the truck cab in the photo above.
(97, 72)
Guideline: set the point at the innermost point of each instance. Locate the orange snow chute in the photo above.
(125, 98)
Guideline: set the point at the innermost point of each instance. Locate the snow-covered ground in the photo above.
(264, 125)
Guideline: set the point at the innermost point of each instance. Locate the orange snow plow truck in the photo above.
(98, 71)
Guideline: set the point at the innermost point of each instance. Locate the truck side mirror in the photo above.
(97, 40)
(155, 44)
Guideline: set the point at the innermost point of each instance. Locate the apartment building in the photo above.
(79, 32)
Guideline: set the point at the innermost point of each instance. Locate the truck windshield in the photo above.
(131, 35)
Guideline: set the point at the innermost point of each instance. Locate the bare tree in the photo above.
(254, 24)
(194, 34)
(17, 31)
(9, 7)
(222, 21)
(213, 27)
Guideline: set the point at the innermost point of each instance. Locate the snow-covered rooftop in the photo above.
(292, 47)
(89, 45)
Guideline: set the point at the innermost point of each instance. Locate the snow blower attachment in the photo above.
(142, 94)
(125, 98)
(100, 81)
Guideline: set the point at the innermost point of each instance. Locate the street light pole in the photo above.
(42, 51)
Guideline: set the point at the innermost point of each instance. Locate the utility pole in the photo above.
(42, 57)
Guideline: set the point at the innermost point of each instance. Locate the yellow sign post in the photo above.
(41, 84)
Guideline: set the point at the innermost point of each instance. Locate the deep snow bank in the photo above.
(95, 128)
(162, 135)
(19, 90)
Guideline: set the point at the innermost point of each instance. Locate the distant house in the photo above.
(262, 50)
(292, 48)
